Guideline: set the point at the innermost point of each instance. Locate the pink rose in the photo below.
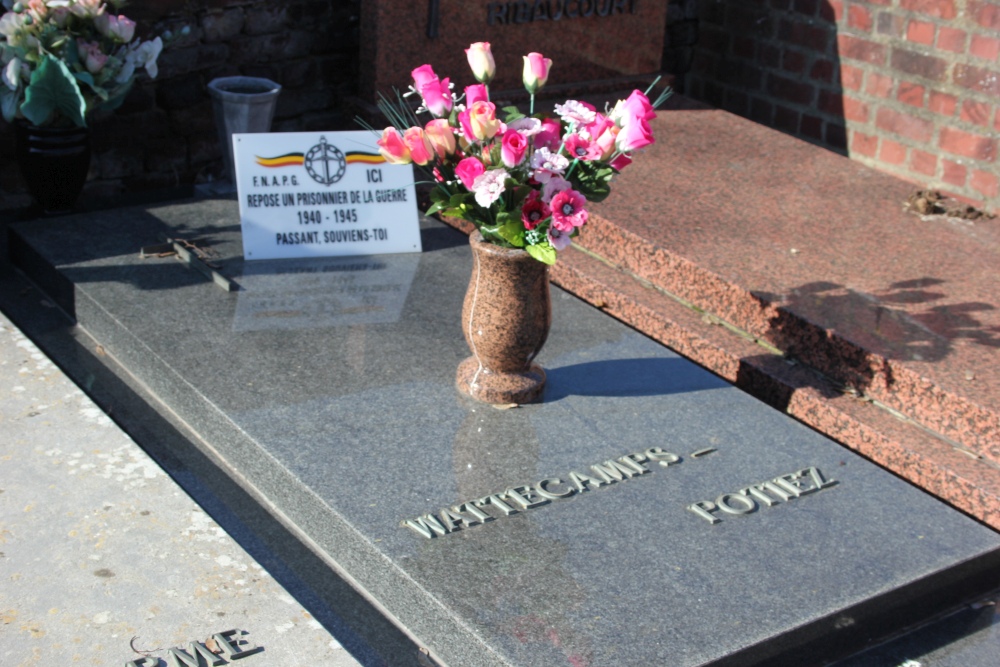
(634, 135)
(421, 151)
(435, 93)
(468, 170)
(393, 148)
(512, 149)
(475, 94)
(441, 136)
(637, 106)
(621, 162)
(550, 135)
(481, 61)
(483, 121)
(536, 72)
(93, 58)
(568, 210)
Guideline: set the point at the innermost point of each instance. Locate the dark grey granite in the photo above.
(342, 417)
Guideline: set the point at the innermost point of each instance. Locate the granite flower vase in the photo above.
(54, 162)
(506, 318)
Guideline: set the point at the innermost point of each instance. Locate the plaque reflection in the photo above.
(323, 292)
(493, 449)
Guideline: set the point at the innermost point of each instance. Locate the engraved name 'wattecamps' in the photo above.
(529, 496)
(781, 489)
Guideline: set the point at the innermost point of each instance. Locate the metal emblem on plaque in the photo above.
(325, 163)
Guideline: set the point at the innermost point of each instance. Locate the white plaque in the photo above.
(322, 194)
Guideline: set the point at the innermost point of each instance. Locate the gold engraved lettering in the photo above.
(552, 495)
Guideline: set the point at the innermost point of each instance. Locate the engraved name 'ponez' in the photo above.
(781, 489)
(529, 496)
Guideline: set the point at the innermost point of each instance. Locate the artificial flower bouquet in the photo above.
(524, 181)
(65, 59)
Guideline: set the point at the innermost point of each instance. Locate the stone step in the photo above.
(814, 254)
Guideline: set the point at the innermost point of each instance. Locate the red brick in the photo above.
(812, 127)
(812, 37)
(806, 7)
(919, 64)
(987, 13)
(744, 47)
(996, 121)
(984, 47)
(864, 50)
(971, 145)
(920, 32)
(942, 9)
(951, 39)
(785, 119)
(985, 183)
(942, 103)
(977, 78)
(923, 162)
(904, 125)
(879, 85)
(822, 70)
(830, 102)
(859, 18)
(793, 61)
(851, 77)
(863, 144)
(954, 173)
(977, 113)
(855, 109)
(892, 152)
(911, 93)
(889, 24)
(790, 90)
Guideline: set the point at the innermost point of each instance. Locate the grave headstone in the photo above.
(586, 39)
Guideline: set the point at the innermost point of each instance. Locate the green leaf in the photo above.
(53, 88)
(544, 253)
(513, 113)
(510, 229)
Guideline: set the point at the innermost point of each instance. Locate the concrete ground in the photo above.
(105, 558)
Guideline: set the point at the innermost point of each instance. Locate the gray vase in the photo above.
(242, 104)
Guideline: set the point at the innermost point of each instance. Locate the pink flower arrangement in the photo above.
(525, 181)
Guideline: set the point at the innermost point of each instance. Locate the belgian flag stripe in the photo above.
(366, 158)
(287, 160)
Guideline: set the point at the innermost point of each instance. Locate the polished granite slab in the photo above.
(327, 387)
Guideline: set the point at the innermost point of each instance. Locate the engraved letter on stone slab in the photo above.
(703, 509)
(735, 503)
(426, 525)
(231, 646)
(545, 492)
(526, 497)
(817, 478)
(199, 656)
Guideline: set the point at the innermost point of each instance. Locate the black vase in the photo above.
(54, 162)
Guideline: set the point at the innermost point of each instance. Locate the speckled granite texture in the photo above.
(597, 40)
(725, 234)
(350, 428)
(506, 317)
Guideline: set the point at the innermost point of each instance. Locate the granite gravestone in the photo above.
(645, 513)
(586, 39)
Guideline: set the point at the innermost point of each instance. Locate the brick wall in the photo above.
(910, 87)
(164, 135)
